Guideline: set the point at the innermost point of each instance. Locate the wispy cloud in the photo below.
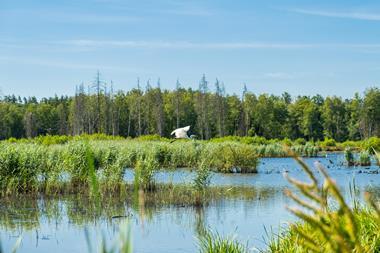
(207, 45)
(62, 64)
(178, 8)
(181, 44)
(69, 16)
(78, 45)
(280, 75)
(340, 14)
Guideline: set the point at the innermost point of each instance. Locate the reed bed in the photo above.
(31, 167)
(56, 164)
(277, 150)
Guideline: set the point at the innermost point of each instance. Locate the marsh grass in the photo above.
(55, 164)
(210, 242)
(70, 167)
(145, 170)
(324, 228)
(349, 156)
(365, 158)
(277, 150)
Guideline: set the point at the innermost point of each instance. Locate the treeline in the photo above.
(209, 110)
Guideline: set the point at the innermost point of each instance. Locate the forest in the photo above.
(148, 109)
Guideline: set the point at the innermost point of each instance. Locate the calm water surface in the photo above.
(58, 225)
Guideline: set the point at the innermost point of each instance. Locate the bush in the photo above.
(300, 141)
(371, 143)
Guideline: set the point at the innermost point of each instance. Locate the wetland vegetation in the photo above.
(66, 160)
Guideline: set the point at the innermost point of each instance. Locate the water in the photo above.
(59, 224)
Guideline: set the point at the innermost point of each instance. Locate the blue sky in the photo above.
(303, 47)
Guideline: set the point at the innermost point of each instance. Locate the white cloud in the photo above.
(340, 14)
(280, 75)
(181, 44)
(90, 45)
(85, 43)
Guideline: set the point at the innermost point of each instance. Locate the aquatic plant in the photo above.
(210, 242)
(145, 170)
(202, 177)
(20, 166)
(349, 156)
(231, 157)
(364, 158)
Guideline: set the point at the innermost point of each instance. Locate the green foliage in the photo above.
(349, 156)
(300, 141)
(327, 229)
(370, 144)
(293, 241)
(246, 140)
(145, 170)
(364, 158)
(210, 242)
(327, 144)
(20, 166)
(157, 112)
(203, 175)
(232, 157)
(153, 137)
(287, 142)
(76, 162)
